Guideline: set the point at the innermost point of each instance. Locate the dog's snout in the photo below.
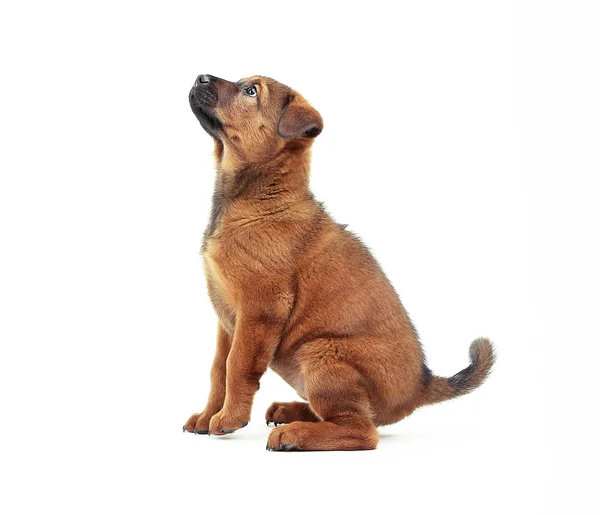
(202, 79)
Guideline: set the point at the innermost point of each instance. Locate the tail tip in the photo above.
(481, 352)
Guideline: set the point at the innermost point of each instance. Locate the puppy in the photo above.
(297, 292)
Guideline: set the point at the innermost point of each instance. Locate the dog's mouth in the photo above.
(202, 101)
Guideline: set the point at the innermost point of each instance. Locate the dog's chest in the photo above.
(248, 268)
(222, 289)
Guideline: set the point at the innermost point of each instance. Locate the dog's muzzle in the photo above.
(203, 93)
(203, 99)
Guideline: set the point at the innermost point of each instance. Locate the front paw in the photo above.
(225, 422)
(198, 423)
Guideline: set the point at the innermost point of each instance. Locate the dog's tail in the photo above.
(438, 389)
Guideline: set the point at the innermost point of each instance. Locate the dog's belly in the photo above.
(291, 374)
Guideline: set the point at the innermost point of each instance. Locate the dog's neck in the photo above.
(284, 178)
(269, 188)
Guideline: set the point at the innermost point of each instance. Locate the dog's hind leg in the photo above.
(337, 394)
(286, 412)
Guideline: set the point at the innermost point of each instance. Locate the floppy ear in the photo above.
(299, 120)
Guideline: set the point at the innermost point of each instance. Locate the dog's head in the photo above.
(253, 120)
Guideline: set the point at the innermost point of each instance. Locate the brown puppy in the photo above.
(295, 291)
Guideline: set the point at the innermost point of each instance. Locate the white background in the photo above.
(460, 142)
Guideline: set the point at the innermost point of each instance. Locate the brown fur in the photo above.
(295, 291)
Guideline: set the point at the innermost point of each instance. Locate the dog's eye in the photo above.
(250, 91)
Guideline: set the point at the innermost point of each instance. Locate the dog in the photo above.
(297, 292)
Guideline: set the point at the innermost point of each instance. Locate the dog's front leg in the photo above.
(254, 343)
(198, 422)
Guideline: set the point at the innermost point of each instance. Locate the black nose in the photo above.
(202, 79)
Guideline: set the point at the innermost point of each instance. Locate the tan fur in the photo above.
(295, 291)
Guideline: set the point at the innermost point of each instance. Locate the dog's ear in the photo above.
(299, 120)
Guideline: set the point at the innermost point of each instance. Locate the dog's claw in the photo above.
(286, 447)
(227, 431)
(184, 429)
